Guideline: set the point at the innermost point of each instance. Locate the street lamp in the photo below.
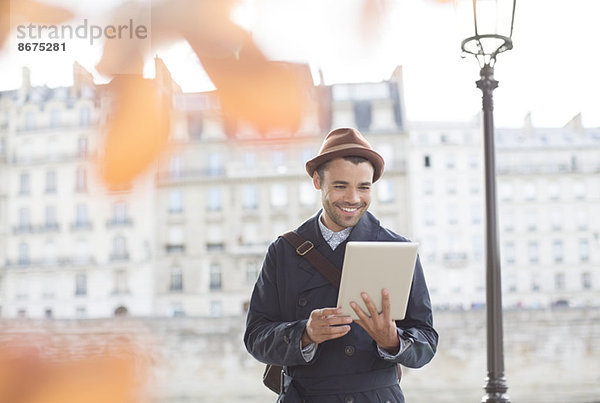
(493, 20)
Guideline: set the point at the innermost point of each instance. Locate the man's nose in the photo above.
(352, 196)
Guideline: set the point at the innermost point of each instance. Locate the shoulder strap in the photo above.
(307, 250)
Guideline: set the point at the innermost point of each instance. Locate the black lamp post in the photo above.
(489, 40)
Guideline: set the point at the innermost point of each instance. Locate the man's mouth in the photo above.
(349, 209)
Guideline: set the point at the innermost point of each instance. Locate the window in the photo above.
(81, 312)
(54, 118)
(250, 235)
(452, 214)
(175, 243)
(278, 160)
(121, 283)
(176, 279)
(252, 271)
(450, 161)
(175, 201)
(508, 220)
(477, 248)
(579, 190)
(195, 126)
(586, 281)
(82, 252)
(81, 284)
(530, 191)
(385, 191)
(176, 166)
(531, 218)
(81, 215)
(24, 183)
(556, 220)
(250, 160)
(554, 191)
(474, 161)
(308, 194)
(250, 197)
(428, 187)
(29, 120)
(506, 191)
(279, 195)
(84, 116)
(50, 181)
(429, 215)
(215, 240)
(215, 164)
(119, 251)
(362, 114)
(509, 252)
(82, 145)
(216, 308)
(81, 180)
(24, 219)
(559, 281)
(215, 199)
(584, 250)
(426, 161)
(476, 214)
(50, 253)
(532, 251)
(512, 283)
(535, 282)
(557, 251)
(119, 213)
(215, 277)
(51, 223)
(581, 217)
(451, 187)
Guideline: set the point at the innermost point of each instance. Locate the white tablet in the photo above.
(371, 266)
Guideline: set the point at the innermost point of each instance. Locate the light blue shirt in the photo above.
(334, 239)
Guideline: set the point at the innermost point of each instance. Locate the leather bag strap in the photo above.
(307, 250)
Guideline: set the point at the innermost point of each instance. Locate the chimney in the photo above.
(575, 123)
(527, 124)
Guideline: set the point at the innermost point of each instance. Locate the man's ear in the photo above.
(316, 180)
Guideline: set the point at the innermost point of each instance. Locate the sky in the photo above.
(551, 73)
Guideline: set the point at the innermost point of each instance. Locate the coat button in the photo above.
(349, 399)
(302, 302)
(349, 350)
(286, 339)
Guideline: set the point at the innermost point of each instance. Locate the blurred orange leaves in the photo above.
(136, 131)
(36, 370)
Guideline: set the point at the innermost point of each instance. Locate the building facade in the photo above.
(188, 238)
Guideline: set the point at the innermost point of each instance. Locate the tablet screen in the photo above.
(369, 267)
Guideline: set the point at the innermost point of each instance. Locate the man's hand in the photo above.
(325, 324)
(379, 326)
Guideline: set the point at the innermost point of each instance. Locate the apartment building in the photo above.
(72, 248)
(189, 236)
(548, 186)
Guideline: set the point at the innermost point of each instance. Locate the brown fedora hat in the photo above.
(346, 142)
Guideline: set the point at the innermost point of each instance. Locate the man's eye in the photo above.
(365, 188)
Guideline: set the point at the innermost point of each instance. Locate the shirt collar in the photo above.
(334, 239)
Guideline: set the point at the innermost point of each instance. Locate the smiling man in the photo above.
(293, 320)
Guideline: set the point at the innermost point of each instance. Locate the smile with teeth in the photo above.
(349, 209)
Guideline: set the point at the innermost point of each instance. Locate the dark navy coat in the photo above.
(347, 369)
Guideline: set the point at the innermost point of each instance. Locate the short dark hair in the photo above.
(355, 159)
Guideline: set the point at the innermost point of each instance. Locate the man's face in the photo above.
(345, 192)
